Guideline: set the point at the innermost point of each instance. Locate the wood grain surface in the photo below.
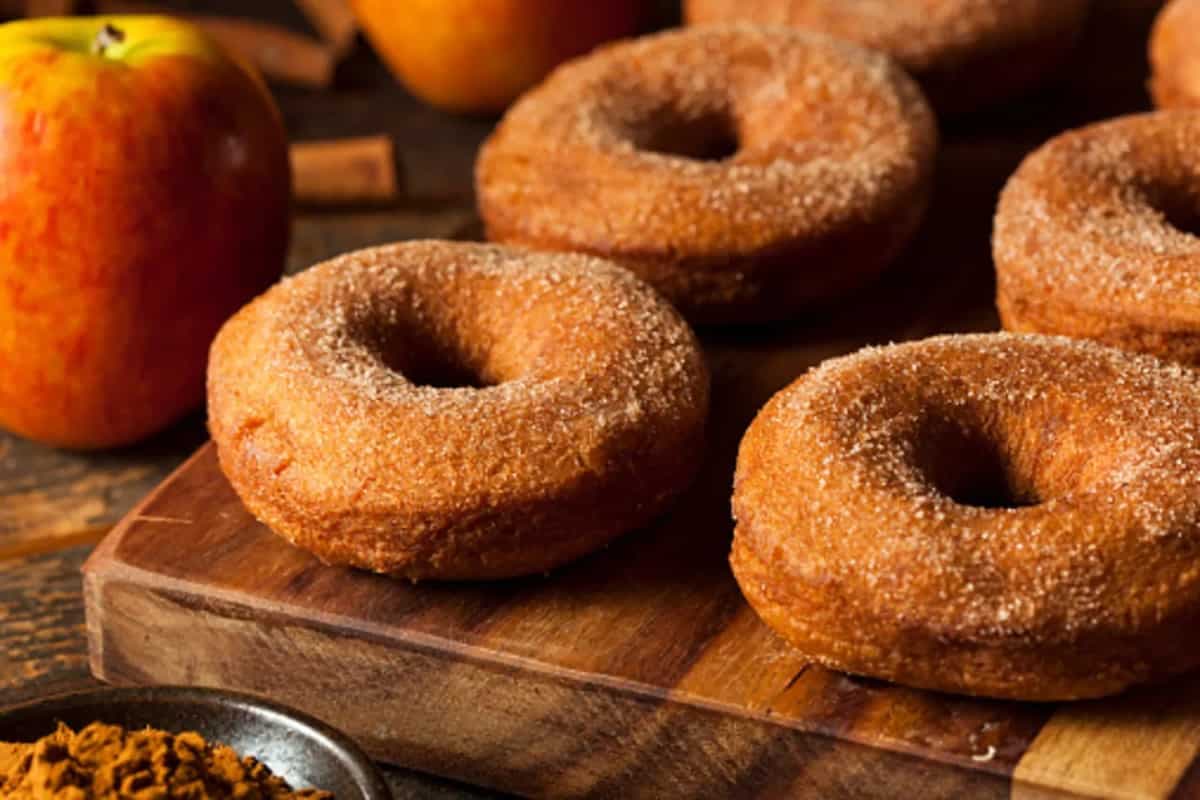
(42, 645)
(52, 498)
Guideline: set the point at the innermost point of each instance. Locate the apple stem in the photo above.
(108, 36)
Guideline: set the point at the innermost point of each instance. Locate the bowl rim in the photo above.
(365, 773)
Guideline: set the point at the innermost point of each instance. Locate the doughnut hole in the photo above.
(425, 350)
(710, 134)
(427, 366)
(975, 467)
(1178, 203)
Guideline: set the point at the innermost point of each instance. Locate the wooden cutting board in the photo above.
(637, 672)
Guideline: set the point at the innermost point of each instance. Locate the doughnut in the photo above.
(746, 173)
(966, 54)
(1005, 515)
(1175, 55)
(1093, 236)
(437, 410)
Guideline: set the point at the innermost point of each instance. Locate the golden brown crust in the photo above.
(966, 54)
(999, 514)
(1092, 236)
(1175, 55)
(325, 407)
(830, 178)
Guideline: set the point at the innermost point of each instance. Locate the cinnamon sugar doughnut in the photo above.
(746, 173)
(966, 54)
(1175, 55)
(448, 410)
(1093, 236)
(1005, 515)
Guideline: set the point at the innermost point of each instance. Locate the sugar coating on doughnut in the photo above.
(956, 48)
(1175, 55)
(829, 136)
(1088, 238)
(916, 32)
(579, 285)
(840, 515)
(332, 437)
(692, 69)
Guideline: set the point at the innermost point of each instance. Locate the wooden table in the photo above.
(56, 505)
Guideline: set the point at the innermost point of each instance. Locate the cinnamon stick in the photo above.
(333, 19)
(344, 171)
(127, 7)
(280, 54)
(49, 8)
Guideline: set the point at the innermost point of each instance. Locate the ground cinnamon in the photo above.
(108, 762)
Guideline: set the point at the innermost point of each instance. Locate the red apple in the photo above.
(144, 197)
(478, 55)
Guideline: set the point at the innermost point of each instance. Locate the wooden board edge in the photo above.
(492, 723)
(108, 569)
(106, 566)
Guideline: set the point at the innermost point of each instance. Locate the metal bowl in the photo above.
(303, 751)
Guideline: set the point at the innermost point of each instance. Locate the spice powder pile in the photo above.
(108, 762)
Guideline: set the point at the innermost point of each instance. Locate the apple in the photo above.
(479, 55)
(144, 197)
